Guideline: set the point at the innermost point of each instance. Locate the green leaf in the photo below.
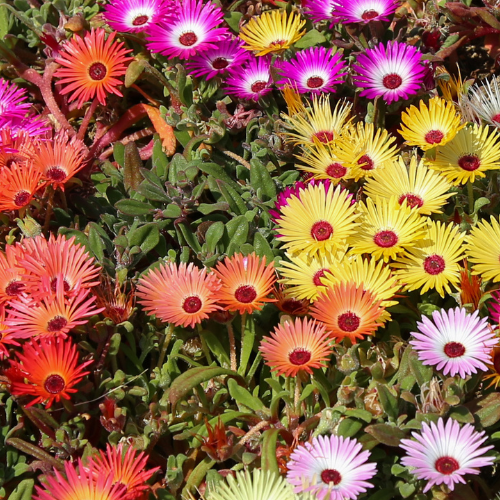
(358, 413)
(24, 489)
(197, 475)
(213, 235)
(160, 160)
(310, 39)
(386, 434)
(248, 339)
(243, 397)
(236, 234)
(119, 153)
(406, 489)
(208, 208)
(479, 203)
(388, 401)
(96, 244)
(383, 494)
(234, 200)
(422, 373)
(146, 237)
(133, 207)
(233, 20)
(152, 191)
(216, 347)
(349, 427)
(172, 211)
(189, 236)
(486, 408)
(262, 247)
(261, 179)
(4, 21)
(217, 172)
(268, 460)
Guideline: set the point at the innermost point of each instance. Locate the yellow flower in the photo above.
(272, 31)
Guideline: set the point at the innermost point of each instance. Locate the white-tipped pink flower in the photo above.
(443, 454)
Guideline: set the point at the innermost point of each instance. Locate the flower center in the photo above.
(56, 324)
(245, 294)
(385, 239)
(280, 43)
(315, 82)
(220, 63)
(21, 198)
(454, 349)
(446, 465)
(292, 306)
(320, 274)
(434, 136)
(324, 136)
(348, 322)
(14, 288)
(192, 304)
(188, 39)
(496, 362)
(366, 162)
(97, 71)
(321, 230)
(434, 264)
(369, 14)
(392, 81)
(469, 163)
(54, 384)
(496, 118)
(336, 170)
(56, 174)
(412, 200)
(299, 356)
(258, 86)
(140, 20)
(53, 285)
(331, 476)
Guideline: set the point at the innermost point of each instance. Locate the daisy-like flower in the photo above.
(364, 11)
(472, 152)
(484, 101)
(296, 347)
(256, 485)
(182, 296)
(191, 31)
(318, 222)
(118, 303)
(455, 342)
(494, 368)
(494, 307)
(314, 70)
(272, 31)
(15, 148)
(12, 99)
(421, 188)
(320, 11)
(483, 249)
(252, 81)
(393, 71)
(12, 273)
(246, 282)
(387, 228)
(91, 66)
(125, 467)
(228, 55)
(331, 468)
(31, 125)
(6, 338)
(50, 369)
(134, 16)
(284, 196)
(443, 453)
(433, 262)
(79, 485)
(18, 185)
(288, 304)
(431, 125)
(348, 310)
(373, 149)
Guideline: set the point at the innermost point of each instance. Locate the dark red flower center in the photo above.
(21, 198)
(54, 384)
(496, 361)
(369, 14)
(320, 274)
(321, 230)
(299, 356)
(53, 285)
(188, 39)
(315, 82)
(336, 170)
(348, 322)
(220, 63)
(392, 81)
(14, 288)
(446, 465)
(331, 476)
(292, 306)
(56, 324)
(279, 42)
(192, 304)
(366, 162)
(412, 200)
(140, 20)
(469, 163)
(56, 174)
(258, 86)
(434, 136)
(324, 136)
(434, 264)
(385, 239)
(454, 349)
(98, 71)
(245, 294)
(496, 118)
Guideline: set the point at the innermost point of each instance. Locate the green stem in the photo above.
(166, 341)
(470, 192)
(204, 346)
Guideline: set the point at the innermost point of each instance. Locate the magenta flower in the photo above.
(135, 16)
(331, 468)
(320, 11)
(364, 11)
(394, 71)
(252, 81)
(226, 56)
(494, 307)
(445, 453)
(12, 99)
(192, 30)
(456, 342)
(284, 196)
(32, 125)
(313, 70)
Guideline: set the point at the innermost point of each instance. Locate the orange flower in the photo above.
(18, 185)
(18, 148)
(118, 305)
(293, 347)
(246, 282)
(91, 66)
(11, 273)
(289, 305)
(494, 375)
(348, 311)
(49, 367)
(5, 336)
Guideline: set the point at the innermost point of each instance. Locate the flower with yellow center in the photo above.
(430, 125)
(318, 221)
(423, 189)
(472, 152)
(433, 263)
(387, 228)
(272, 31)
